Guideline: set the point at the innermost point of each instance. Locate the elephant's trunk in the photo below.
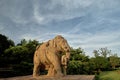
(68, 55)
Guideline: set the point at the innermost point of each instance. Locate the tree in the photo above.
(104, 52)
(96, 53)
(75, 67)
(100, 61)
(20, 57)
(16, 54)
(31, 45)
(78, 54)
(114, 60)
(79, 62)
(100, 64)
(4, 43)
(23, 42)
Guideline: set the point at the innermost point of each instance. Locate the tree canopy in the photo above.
(5, 43)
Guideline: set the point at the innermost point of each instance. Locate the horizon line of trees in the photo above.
(18, 59)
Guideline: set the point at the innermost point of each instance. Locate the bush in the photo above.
(78, 67)
(23, 68)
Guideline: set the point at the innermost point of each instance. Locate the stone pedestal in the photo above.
(68, 77)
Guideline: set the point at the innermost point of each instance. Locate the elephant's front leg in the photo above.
(51, 71)
(36, 70)
(58, 71)
(57, 66)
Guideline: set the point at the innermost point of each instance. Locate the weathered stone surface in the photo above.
(48, 56)
(68, 77)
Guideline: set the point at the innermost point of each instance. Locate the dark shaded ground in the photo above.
(68, 77)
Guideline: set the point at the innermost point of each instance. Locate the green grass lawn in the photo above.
(110, 75)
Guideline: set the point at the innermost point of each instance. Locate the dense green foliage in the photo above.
(79, 62)
(18, 59)
(5, 43)
(82, 64)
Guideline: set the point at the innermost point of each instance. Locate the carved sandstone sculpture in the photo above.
(64, 62)
(49, 56)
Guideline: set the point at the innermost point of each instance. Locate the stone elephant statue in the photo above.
(49, 55)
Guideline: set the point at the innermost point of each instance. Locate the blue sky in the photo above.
(89, 24)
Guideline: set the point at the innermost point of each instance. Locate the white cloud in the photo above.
(90, 42)
(38, 18)
(66, 9)
(59, 10)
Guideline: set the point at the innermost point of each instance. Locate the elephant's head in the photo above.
(62, 44)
